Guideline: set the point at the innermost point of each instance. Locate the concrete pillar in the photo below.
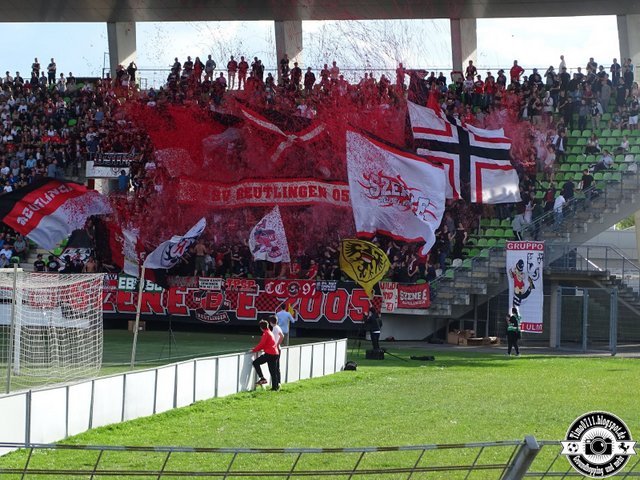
(289, 41)
(629, 39)
(122, 44)
(464, 42)
(554, 314)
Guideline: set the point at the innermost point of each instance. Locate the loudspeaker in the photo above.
(375, 354)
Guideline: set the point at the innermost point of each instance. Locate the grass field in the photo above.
(461, 397)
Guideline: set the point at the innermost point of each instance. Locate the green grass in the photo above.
(461, 397)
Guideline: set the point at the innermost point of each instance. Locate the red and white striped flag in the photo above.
(476, 160)
(47, 211)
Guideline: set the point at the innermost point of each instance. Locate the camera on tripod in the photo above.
(598, 446)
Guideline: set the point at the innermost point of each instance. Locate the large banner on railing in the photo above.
(525, 262)
(234, 301)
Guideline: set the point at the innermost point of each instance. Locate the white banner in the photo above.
(525, 262)
(167, 254)
(268, 240)
(94, 171)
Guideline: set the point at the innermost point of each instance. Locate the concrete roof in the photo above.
(194, 10)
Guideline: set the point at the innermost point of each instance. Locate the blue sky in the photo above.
(81, 48)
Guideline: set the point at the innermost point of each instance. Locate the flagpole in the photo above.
(137, 324)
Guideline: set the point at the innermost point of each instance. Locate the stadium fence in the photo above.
(52, 414)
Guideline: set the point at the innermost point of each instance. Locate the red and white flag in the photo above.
(47, 211)
(394, 193)
(125, 248)
(471, 156)
(268, 240)
(286, 140)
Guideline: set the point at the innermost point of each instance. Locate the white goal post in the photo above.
(50, 327)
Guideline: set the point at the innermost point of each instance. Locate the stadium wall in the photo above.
(51, 414)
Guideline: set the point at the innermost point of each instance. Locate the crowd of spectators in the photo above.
(52, 124)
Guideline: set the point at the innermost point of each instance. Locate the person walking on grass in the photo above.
(270, 356)
(513, 331)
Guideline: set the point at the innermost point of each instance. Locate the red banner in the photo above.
(414, 296)
(263, 193)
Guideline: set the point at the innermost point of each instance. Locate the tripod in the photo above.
(171, 339)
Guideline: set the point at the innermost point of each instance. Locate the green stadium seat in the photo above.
(606, 117)
(502, 242)
(474, 252)
(576, 167)
(420, 281)
(489, 232)
(495, 222)
(492, 242)
(576, 150)
(539, 195)
(72, 122)
(484, 253)
(616, 177)
(499, 232)
(619, 158)
(577, 177)
(606, 132)
(612, 142)
(482, 242)
(485, 222)
(590, 159)
(586, 133)
(506, 223)
(598, 176)
(626, 132)
(582, 142)
(560, 177)
(607, 177)
(572, 158)
(467, 264)
(635, 149)
(576, 133)
(450, 274)
(616, 133)
(565, 167)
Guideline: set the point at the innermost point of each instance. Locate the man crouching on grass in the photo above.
(270, 357)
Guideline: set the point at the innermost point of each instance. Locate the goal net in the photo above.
(50, 328)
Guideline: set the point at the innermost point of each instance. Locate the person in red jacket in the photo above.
(270, 356)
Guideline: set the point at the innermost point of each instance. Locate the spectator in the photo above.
(243, 68)
(518, 225)
(605, 163)
(209, 67)
(515, 72)
(51, 72)
(20, 247)
(53, 265)
(123, 182)
(4, 261)
(39, 265)
(232, 68)
(558, 207)
(593, 145)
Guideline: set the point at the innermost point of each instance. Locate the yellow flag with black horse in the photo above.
(363, 262)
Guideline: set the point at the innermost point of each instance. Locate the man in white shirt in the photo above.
(278, 336)
(558, 205)
(284, 320)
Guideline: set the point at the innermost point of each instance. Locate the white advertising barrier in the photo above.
(51, 414)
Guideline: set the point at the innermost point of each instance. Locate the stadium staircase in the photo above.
(615, 196)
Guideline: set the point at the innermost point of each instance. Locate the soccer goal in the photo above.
(50, 328)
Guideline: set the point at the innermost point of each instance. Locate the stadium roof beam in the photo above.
(202, 10)
(288, 15)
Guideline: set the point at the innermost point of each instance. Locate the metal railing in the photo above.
(506, 460)
(596, 258)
